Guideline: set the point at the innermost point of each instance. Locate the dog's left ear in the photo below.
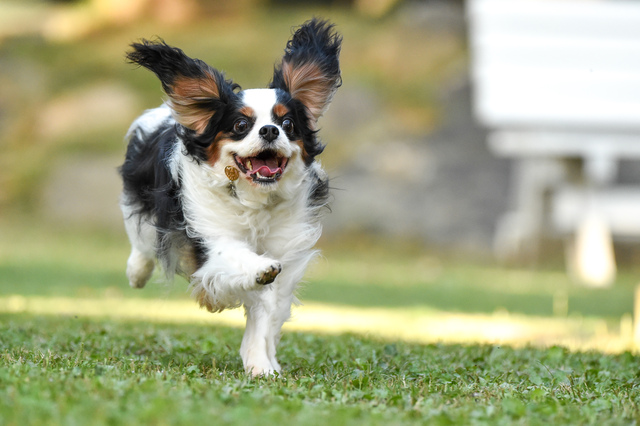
(310, 68)
(196, 91)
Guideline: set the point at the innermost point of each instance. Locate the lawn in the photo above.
(66, 370)
(82, 349)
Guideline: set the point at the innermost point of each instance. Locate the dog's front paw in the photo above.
(268, 275)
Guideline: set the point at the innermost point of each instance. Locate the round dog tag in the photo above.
(232, 173)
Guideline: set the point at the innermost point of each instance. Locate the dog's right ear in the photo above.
(196, 91)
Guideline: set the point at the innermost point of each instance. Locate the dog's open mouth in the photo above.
(266, 167)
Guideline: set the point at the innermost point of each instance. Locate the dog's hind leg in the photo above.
(139, 268)
(142, 236)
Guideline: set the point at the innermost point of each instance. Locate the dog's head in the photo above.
(259, 132)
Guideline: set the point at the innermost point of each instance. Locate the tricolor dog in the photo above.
(222, 186)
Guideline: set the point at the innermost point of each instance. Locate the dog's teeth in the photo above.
(259, 175)
(248, 165)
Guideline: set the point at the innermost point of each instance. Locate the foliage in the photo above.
(46, 84)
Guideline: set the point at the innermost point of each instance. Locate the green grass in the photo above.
(57, 369)
(61, 370)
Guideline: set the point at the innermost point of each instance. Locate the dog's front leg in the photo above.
(231, 272)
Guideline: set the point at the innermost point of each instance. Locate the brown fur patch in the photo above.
(280, 110)
(204, 299)
(305, 154)
(188, 260)
(310, 86)
(213, 150)
(186, 97)
(247, 111)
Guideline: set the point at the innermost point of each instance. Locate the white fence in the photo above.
(558, 84)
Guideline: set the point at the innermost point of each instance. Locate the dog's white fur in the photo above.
(260, 229)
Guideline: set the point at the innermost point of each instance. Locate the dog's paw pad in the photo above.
(268, 275)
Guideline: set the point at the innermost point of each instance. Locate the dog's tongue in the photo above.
(266, 167)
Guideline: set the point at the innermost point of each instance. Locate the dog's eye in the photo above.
(241, 126)
(287, 125)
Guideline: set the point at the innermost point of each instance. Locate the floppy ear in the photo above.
(196, 91)
(310, 68)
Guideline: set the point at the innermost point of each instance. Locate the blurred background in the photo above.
(425, 186)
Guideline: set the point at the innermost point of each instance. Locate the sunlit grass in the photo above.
(403, 293)
(419, 325)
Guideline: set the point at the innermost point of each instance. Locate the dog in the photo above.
(222, 186)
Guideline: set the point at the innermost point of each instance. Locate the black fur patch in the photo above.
(169, 63)
(319, 196)
(150, 189)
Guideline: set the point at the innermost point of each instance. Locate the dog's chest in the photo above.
(256, 225)
(219, 214)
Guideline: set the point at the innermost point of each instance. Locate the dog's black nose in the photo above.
(269, 132)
